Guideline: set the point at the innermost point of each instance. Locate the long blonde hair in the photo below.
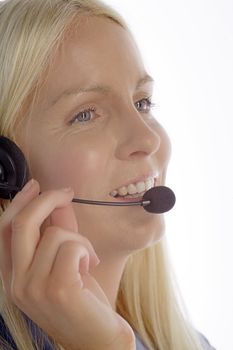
(148, 297)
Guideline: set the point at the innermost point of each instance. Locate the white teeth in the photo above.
(149, 183)
(132, 189)
(140, 187)
(122, 191)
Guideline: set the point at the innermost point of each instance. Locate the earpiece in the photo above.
(13, 169)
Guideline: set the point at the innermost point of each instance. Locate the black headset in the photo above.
(14, 175)
(13, 169)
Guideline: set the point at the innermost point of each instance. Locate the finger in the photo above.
(64, 218)
(47, 250)
(21, 199)
(66, 271)
(26, 227)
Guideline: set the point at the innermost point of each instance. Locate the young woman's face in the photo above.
(92, 130)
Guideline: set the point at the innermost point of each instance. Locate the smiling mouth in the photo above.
(136, 190)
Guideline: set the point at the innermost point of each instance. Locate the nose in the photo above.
(139, 136)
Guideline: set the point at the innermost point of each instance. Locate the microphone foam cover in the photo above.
(161, 199)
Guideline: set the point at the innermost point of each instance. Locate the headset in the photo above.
(14, 175)
(13, 169)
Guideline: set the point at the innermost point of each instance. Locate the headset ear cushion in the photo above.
(13, 168)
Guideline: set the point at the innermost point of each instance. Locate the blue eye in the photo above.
(144, 105)
(83, 116)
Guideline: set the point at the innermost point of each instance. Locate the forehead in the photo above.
(99, 51)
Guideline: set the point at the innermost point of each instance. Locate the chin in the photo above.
(143, 235)
(121, 231)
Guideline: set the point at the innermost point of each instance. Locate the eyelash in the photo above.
(150, 105)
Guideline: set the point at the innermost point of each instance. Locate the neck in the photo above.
(108, 276)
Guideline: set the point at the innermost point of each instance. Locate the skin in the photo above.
(103, 154)
(119, 143)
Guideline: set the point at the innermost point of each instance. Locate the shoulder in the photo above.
(205, 343)
(7, 341)
(5, 337)
(139, 343)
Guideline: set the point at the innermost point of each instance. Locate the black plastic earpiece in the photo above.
(13, 169)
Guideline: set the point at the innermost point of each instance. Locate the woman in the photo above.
(76, 99)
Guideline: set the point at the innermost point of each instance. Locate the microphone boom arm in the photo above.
(85, 201)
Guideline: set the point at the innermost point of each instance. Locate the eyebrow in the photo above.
(101, 89)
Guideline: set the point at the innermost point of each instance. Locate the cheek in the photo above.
(85, 169)
(82, 168)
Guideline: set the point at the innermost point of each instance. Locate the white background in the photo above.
(188, 48)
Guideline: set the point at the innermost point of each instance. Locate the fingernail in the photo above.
(28, 185)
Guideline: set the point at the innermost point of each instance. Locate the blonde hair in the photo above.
(148, 297)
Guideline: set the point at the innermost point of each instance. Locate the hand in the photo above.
(44, 263)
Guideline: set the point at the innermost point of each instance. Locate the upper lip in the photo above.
(140, 178)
